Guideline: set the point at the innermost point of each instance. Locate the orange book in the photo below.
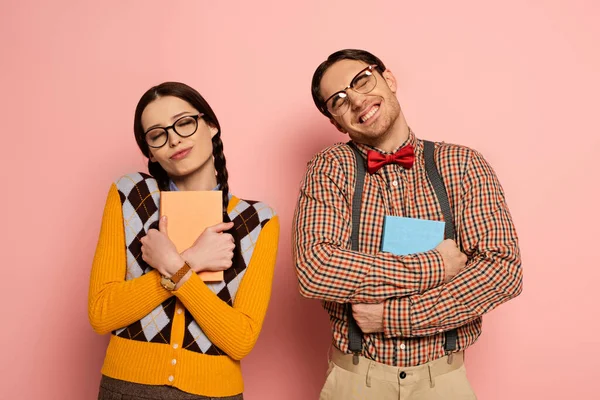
(189, 213)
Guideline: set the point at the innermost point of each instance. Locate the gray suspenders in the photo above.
(354, 332)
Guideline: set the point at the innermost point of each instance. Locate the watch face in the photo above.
(167, 283)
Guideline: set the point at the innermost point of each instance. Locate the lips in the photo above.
(368, 113)
(181, 154)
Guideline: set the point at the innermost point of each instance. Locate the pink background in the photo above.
(517, 80)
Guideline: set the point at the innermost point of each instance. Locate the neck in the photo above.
(203, 178)
(395, 136)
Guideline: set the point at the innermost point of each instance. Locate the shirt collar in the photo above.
(411, 140)
(173, 187)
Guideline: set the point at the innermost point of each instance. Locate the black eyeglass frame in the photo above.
(166, 129)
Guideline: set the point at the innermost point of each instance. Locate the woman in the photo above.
(174, 336)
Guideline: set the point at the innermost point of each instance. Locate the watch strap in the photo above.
(181, 273)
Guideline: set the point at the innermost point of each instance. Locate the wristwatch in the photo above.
(170, 283)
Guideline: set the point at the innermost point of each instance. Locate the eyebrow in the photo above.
(173, 118)
(336, 98)
(335, 94)
(358, 78)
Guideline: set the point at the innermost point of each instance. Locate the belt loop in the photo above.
(371, 365)
(431, 380)
(450, 358)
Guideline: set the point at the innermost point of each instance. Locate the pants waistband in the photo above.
(138, 390)
(402, 375)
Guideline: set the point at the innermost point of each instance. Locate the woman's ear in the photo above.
(213, 130)
(151, 157)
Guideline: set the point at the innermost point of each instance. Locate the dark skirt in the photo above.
(115, 389)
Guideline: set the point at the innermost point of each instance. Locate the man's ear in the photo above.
(390, 79)
(338, 126)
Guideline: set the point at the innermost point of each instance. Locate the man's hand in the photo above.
(369, 317)
(454, 260)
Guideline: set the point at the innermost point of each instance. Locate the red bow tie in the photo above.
(404, 157)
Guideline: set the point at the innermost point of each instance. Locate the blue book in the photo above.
(402, 236)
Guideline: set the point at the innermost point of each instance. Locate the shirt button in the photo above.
(171, 378)
(173, 361)
(175, 345)
(402, 346)
(402, 375)
(395, 183)
(179, 311)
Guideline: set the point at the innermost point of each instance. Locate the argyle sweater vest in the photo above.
(140, 199)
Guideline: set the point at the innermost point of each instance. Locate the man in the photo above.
(417, 312)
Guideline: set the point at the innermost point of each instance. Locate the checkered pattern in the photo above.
(140, 199)
(418, 306)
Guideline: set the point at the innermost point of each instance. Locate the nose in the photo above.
(356, 100)
(174, 138)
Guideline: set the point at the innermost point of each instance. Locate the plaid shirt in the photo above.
(418, 305)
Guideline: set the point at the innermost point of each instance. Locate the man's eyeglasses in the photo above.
(364, 82)
(184, 127)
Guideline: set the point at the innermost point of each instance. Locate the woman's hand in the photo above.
(159, 252)
(213, 250)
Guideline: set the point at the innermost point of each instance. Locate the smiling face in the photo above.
(371, 117)
(180, 156)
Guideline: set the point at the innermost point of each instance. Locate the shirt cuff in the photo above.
(432, 269)
(396, 317)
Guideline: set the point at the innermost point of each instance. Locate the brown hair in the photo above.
(196, 100)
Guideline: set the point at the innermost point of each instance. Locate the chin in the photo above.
(375, 133)
(180, 172)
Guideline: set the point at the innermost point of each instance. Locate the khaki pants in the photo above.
(370, 380)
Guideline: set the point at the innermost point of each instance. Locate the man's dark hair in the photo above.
(347, 54)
